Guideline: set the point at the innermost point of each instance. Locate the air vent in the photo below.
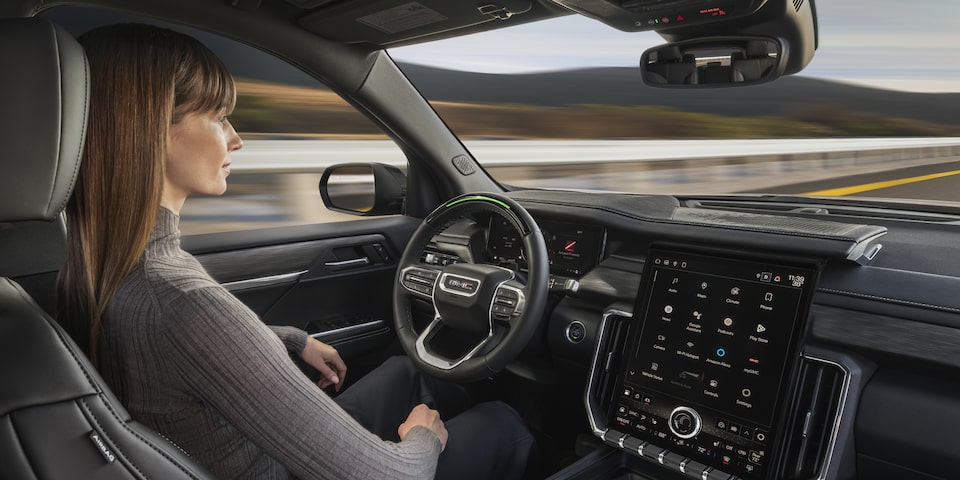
(810, 434)
(608, 374)
(797, 4)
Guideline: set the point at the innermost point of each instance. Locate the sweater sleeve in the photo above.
(292, 337)
(232, 361)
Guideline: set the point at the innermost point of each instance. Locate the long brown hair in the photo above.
(143, 79)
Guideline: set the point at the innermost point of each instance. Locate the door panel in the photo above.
(334, 281)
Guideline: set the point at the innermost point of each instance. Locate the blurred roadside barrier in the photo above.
(297, 156)
(274, 182)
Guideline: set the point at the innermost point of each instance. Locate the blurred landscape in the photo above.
(609, 103)
(598, 110)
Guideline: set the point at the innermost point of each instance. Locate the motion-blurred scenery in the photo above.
(515, 123)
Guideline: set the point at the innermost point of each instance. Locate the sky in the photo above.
(911, 45)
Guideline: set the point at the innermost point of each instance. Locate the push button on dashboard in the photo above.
(576, 332)
(715, 475)
(692, 468)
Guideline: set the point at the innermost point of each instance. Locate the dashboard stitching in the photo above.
(891, 300)
(675, 222)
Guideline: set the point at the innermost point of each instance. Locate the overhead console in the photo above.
(700, 379)
(790, 23)
(638, 15)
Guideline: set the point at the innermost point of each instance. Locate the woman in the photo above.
(184, 355)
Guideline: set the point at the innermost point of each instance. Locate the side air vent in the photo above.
(797, 4)
(812, 429)
(618, 336)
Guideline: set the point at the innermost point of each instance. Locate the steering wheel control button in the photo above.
(576, 332)
(419, 280)
(685, 422)
(507, 303)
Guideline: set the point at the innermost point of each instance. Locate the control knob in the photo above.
(685, 422)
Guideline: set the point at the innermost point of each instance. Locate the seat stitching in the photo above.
(29, 302)
(55, 327)
(83, 124)
(141, 438)
(116, 446)
(150, 442)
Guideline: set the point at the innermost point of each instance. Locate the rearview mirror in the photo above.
(365, 189)
(713, 62)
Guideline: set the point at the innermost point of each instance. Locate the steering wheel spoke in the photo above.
(429, 356)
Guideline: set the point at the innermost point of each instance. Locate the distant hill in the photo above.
(793, 96)
(608, 103)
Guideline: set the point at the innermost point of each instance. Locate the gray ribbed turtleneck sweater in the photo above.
(190, 360)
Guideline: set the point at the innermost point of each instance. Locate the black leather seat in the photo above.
(673, 68)
(58, 420)
(756, 63)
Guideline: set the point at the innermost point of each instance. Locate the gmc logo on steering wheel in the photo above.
(462, 284)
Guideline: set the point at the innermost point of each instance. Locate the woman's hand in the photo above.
(327, 361)
(424, 416)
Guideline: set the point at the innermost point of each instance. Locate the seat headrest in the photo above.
(44, 94)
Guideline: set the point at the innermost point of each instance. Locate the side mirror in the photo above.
(713, 62)
(366, 189)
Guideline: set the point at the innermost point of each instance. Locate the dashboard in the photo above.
(718, 342)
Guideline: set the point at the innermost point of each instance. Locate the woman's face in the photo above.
(198, 155)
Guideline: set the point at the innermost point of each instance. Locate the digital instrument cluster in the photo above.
(573, 249)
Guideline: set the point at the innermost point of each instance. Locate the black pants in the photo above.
(486, 441)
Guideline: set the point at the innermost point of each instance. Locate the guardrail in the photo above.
(292, 156)
(650, 166)
(292, 168)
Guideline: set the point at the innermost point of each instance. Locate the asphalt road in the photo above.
(937, 182)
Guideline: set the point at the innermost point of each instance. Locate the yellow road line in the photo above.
(839, 192)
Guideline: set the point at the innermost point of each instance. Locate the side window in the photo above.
(292, 128)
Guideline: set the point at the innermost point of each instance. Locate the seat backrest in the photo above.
(757, 62)
(58, 420)
(32, 253)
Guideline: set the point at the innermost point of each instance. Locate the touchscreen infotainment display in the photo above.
(707, 363)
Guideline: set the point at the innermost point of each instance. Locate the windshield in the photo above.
(560, 104)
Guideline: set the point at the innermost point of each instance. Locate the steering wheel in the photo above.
(484, 315)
